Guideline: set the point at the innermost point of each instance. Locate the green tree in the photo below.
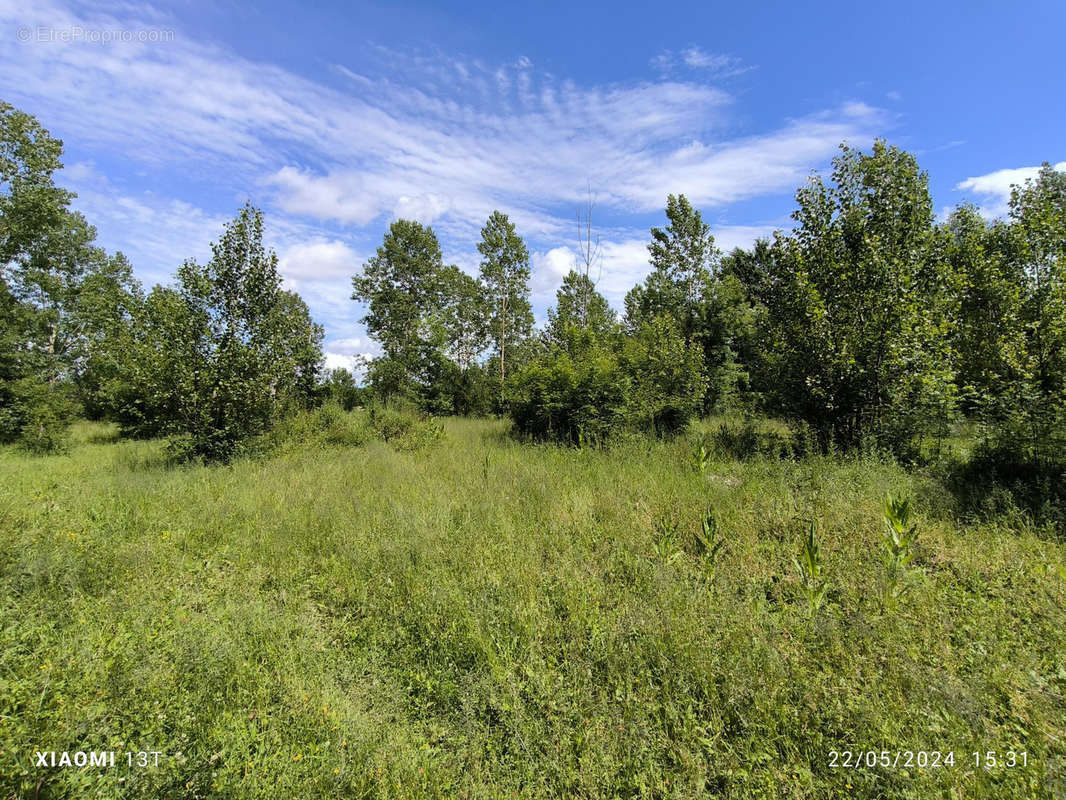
(218, 360)
(683, 257)
(47, 254)
(859, 305)
(687, 284)
(465, 314)
(1038, 217)
(158, 368)
(579, 310)
(988, 339)
(101, 326)
(296, 348)
(30, 202)
(340, 387)
(505, 275)
(401, 285)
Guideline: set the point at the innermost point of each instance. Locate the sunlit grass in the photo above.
(484, 618)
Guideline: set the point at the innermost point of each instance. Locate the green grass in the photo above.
(484, 618)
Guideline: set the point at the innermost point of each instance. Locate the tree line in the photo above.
(868, 324)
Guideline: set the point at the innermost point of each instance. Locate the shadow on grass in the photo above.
(996, 482)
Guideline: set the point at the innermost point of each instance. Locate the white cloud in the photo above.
(549, 268)
(351, 346)
(994, 188)
(318, 260)
(343, 198)
(718, 65)
(729, 237)
(393, 143)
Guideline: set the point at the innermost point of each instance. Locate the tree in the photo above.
(30, 202)
(218, 360)
(988, 340)
(47, 256)
(579, 309)
(859, 305)
(156, 376)
(1038, 217)
(465, 316)
(340, 388)
(101, 326)
(683, 259)
(505, 274)
(591, 255)
(296, 347)
(687, 285)
(401, 284)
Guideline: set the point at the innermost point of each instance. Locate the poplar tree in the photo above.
(505, 274)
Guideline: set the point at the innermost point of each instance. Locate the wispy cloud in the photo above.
(718, 65)
(440, 138)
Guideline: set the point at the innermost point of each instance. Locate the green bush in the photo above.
(745, 439)
(1001, 477)
(404, 428)
(38, 416)
(668, 381)
(570, 399)
(654, 383)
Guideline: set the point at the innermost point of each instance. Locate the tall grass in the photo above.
(484, 618)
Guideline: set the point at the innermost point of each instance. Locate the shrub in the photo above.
(668, 382)
(580, 399)
(584, 395)
(745, 440)
(403, 428)
(1001, 477)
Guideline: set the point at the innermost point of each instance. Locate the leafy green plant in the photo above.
(809, 565)
(709, 541)
(897, 538)
(667, 539)
(700, 457)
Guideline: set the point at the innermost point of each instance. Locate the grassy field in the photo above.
(485, 618)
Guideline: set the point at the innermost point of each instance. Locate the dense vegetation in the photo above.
(484, 618)
(661, 564)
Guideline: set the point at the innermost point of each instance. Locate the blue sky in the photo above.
(336, 118)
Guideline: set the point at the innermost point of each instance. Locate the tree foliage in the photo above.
(505, 275)
(219, 359)
(856, 306)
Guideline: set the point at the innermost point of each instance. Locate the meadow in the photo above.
(483, 618)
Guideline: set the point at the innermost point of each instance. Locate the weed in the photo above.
(809, 565)
(710, 540)
(668, 539)
(898, 538)
(701, 456)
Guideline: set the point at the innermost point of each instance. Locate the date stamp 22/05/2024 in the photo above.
(927, 759)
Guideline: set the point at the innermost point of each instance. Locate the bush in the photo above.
(653, 383)
(668, 378)
(573, 400)
(404, 429)
(38, 416)
(744, 439)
